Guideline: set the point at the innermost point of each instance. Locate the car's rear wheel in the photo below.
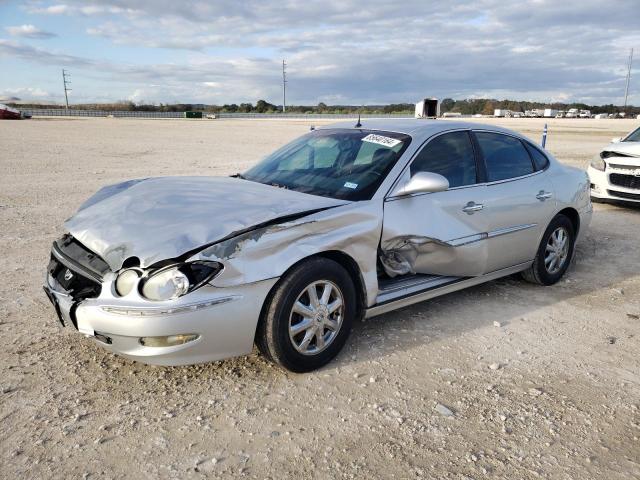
(554, 253)
(308, 318)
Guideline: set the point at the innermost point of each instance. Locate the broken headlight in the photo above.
(171, 282)
(598, 163)
(167, 284)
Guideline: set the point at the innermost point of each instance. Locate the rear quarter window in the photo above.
(540, 160)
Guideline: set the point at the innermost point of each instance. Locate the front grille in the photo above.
(626, 181)
(630, 196)
(618, 166)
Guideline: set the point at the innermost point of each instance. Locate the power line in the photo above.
(66, 83)
(626, 88)
(284, 86)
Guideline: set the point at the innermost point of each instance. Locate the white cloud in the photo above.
(50, 10)
(526, 49)
(231, 51)
(28, 31)
(24, 94)
(22, 51)
(82, 9)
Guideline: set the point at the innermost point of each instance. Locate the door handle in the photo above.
(472, 207)
(542, 195)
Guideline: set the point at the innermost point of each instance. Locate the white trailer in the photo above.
(428, 108)
(535, 113)
(549, 113)
(501, 112)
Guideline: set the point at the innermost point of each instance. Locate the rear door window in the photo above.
(504, 156)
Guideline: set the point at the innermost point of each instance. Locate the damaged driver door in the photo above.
(437, 231)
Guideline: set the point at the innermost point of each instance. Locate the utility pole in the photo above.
(66, 84)
(626, 88)
(284, 86)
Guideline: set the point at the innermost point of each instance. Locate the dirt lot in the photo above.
(562, 400)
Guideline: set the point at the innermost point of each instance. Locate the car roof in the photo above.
(416, 127)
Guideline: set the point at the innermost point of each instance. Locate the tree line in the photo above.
(475, 106)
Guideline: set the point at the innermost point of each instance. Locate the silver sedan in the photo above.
(348, 221)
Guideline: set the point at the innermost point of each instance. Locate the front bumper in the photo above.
(603, 189)
(224, 319)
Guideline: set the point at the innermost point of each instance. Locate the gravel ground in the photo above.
(505, 380)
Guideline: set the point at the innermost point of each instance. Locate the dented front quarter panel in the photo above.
(268, 252)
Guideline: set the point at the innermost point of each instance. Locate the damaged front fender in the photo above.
(268, 252)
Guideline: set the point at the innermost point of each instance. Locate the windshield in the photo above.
(633, 136)
(336, 163)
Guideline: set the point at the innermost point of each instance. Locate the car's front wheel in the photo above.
(308, 318)
(554, 252)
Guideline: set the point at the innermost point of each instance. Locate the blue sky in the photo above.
(338, 51)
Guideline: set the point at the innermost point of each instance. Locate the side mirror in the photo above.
(616, 140)
(425, 182)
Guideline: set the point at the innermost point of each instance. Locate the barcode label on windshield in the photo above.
(381, 140)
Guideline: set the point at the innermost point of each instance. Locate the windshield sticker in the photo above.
(350, 185)
(381, 140)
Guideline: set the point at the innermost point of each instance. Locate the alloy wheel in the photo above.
(557, 250)
(316, 317)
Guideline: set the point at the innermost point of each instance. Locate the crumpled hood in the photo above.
(631, 149)
(160, 218)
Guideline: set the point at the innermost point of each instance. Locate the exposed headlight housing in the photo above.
(167, 284)
(171, 282)
(598, 163)
(126, 281)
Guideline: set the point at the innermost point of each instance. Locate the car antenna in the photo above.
(358, 125)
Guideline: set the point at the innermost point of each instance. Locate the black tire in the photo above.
(273, 333)
(538, 272)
